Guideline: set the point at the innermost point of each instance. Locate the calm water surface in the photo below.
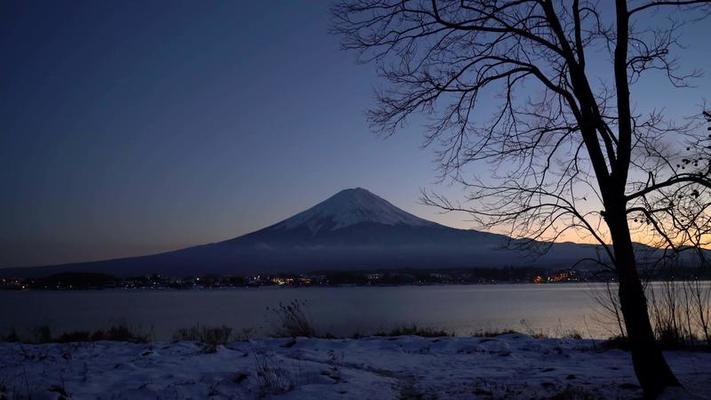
(550, 309)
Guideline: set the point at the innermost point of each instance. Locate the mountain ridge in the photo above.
(353, 229)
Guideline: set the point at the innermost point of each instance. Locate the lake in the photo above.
(462, 309)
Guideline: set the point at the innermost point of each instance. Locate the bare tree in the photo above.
(506, 85)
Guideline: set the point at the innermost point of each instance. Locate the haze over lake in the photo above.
(550, 309)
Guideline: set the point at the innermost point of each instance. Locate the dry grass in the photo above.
(271, 376)
(414, 330)
(292, 320)
(210, 337)
(43, 334)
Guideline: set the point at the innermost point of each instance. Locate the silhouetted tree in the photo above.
(571, 155)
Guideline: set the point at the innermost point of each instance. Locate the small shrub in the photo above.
(119, 333)
(414, 330)
(210, 337)
(673, 338)
(334, 370)
(617, 342)
(11, 336)
(272, 378)
(494, 333)
(42, 334)
(292, 320)
(75, 336)
(532, 332)
(214, 337)
(243, 334)
(679, 313)
(572, 334)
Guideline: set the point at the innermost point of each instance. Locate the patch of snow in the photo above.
(504, 367)
(678, 393)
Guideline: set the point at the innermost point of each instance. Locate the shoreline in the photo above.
(256, 287)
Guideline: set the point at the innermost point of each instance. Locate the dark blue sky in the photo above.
(134, 127)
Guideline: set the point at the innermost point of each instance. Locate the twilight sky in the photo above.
(129, 128)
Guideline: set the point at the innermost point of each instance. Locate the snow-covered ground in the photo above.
(511, 366)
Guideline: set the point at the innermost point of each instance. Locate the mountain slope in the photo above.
(354, 229)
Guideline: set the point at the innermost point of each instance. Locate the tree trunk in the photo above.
(651, 368)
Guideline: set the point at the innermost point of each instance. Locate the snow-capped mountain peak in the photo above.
(350, 207)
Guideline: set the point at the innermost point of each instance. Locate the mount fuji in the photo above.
(353, 229)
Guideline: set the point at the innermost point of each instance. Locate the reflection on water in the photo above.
(550, 309)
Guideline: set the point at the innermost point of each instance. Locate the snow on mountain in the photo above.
(350, 207)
